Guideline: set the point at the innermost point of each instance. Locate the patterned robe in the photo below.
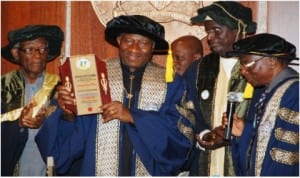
(162, 134)
(275, 150)
(202, 77)
(14, 138)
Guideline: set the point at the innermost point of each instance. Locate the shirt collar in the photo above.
(283, 75)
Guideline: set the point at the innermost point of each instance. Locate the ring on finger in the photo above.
(112, 112)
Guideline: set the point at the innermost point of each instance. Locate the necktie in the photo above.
(259, 109)
(258, 115)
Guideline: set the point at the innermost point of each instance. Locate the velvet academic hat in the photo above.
(229, 13)
(265, 44)
(136, 24)
(53, 34)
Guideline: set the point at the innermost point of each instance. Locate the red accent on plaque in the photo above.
(105, 92)
(103, 83)
(66, 74)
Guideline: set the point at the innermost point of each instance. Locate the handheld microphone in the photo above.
(233, 98)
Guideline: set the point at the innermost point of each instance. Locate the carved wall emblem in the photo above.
(174, 15)
(159, 5)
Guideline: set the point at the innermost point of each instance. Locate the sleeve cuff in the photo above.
(201, 136)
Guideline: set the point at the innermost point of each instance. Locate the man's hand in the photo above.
(115, 110)
(66, 98)
(26, 119)
(213, 139)
(237, 125)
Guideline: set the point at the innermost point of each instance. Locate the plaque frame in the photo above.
(86, 76)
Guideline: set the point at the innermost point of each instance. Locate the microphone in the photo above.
(233, 98)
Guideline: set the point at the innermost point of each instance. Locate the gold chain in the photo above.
(130, 94)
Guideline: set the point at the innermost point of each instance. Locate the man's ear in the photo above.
(14, 53)
(119, 40)
(197, 56)
(273, 62)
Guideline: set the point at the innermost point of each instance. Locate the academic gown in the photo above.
(281, 157)
(13, 137)
(201, 78)
(161, 146)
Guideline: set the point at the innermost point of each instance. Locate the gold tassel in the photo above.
(169, 68)
(248, 92)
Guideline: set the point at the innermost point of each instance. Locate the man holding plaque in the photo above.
(147, 129)
(24, 92)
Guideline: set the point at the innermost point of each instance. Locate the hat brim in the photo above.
(112, 33)
(53, 45)
(53, 34)
(240, 53)
(235, 54)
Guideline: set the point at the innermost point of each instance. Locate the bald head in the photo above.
(185, 50)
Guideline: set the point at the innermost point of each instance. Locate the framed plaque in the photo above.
(86, 77)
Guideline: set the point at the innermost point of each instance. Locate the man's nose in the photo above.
(210, 36)
(135, 47)
(243, 70)
(37, 53)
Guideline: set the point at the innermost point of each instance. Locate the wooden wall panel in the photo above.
(87, 33)
(16, 14)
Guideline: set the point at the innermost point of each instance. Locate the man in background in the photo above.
(216, 74)
(25, 92)
(185, 50)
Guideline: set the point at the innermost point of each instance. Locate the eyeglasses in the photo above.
(250, 64)
(31, 51)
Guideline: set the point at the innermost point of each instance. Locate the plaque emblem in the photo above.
(83, 64)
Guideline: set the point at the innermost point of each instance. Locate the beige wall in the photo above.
(283, 20)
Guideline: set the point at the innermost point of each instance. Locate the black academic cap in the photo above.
(136, 24)
(228, 13)
(264, 44)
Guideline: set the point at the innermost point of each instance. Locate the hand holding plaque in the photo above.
(86, 77)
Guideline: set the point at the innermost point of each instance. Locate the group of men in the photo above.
(154, 128)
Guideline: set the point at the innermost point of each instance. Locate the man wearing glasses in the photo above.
(215, 75)
(24, 94)
(266, 143)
